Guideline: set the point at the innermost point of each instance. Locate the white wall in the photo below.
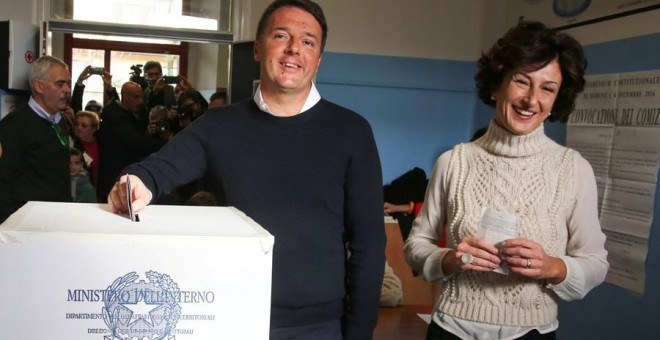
(435, 29)
(19, 10)
(505, 13)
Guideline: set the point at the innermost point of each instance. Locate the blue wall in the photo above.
(610, 312)
(418, 108)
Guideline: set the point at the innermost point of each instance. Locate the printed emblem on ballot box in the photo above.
(142, 310)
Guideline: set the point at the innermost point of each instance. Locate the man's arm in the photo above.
(365, 235)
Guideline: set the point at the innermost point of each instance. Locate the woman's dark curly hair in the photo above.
(530, 46)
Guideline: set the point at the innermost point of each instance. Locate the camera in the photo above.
(96, 70)
(136, 76)
(172, 79)
(167, 126)
(187, 111)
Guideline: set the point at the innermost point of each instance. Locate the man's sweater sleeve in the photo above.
(365, 235)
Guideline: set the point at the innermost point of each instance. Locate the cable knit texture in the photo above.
(529, 176)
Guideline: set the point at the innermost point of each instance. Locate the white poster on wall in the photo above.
(616, 127)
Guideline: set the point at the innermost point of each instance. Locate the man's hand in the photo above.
(107, 81)
(160, 84)
(117, 196)
(84, 74)
(183, 84)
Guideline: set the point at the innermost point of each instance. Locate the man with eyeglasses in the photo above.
(158, 92)
(34, 141)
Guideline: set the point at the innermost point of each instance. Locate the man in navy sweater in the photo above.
(305, 169)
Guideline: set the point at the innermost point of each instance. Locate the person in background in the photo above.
(217, 99)
(404, 197)
(82, 190)
(94, 106)
(79, 90)
(159, 124)
(305, 169)
(86, 141)
(190, 104)
(158, 92)
(122, 137)
(202, 198)
(514, 171)
(34, 150)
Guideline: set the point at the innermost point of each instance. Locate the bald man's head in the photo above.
(132, 96)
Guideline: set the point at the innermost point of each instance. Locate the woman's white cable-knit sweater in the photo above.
(552, 191)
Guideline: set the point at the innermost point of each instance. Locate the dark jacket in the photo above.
(34, 163)
(122, 140)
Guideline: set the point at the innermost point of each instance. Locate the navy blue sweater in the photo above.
(314, 182)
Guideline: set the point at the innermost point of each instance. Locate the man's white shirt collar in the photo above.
(313, 98)
(42, 113)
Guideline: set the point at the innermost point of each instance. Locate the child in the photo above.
(82, 190)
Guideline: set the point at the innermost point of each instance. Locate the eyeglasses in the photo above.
(58, 133)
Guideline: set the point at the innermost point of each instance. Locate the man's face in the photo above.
(133, 99)
(191, 107)
(289, 51)
(53, 92)
(152, 74)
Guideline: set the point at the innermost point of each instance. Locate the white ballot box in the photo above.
(77, 271)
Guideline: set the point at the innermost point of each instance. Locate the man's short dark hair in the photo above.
(218, 95)
(151, 64)
(308, 6)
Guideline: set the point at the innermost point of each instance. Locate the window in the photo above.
(116, 34)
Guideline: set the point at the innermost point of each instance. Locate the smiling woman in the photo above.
(507, 286)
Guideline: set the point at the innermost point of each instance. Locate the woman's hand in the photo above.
(471, 254)
(528, 258)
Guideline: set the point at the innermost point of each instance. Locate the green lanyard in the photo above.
(58, 132)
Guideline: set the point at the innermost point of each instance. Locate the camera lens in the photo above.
(163, 128)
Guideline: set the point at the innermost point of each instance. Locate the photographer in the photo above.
(79, 88)
(122, 135)
(191, 104)
(160, 126)
(158, 91)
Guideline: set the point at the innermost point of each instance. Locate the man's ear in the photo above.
(37, 86)
(257, 48)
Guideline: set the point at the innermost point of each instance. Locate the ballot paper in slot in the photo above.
(79, 271)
